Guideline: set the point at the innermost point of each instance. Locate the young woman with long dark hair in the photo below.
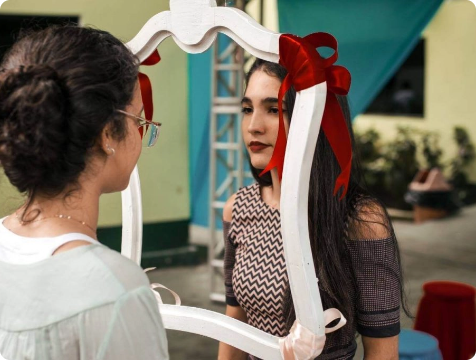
(353, 244)
(70, 107)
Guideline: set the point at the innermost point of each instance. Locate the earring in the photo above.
(110, 150)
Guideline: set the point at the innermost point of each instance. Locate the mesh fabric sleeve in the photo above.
(229, 263)
(377, 271)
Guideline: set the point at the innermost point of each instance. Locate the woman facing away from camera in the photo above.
(69, 119)
(353, 245)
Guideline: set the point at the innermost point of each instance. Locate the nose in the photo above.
(256, 125)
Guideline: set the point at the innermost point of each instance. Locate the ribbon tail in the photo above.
(332, 314)
(335, 129)
(153, 59)
(154, 286)
(146, 86)
(277, 159)
(146, 93)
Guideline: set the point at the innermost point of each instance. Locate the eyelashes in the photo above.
(271, 110)
(246, 110)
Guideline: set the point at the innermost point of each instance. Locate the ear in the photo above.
(106, 141)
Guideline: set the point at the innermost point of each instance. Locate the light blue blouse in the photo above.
(83, 304)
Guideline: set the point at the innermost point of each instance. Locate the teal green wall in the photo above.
(375, 36)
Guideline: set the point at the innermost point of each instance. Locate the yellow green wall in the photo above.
(163, 169)
(450, 80)
(270, 10)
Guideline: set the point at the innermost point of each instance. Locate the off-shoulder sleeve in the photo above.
(229, 264)
(129, 328)
(377, 271)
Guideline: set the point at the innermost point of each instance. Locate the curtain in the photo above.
(375, 36)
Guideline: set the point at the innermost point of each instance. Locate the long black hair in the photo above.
(331, 221)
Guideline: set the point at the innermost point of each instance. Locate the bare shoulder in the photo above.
(228, 208)
(371, 222)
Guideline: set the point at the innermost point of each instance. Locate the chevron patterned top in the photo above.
(256, 277)
(259, 274)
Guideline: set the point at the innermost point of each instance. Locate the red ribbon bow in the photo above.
(307, 68)
(146, 86)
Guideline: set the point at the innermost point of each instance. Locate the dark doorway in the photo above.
(404, 94)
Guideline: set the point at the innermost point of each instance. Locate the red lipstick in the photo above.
(256, 146)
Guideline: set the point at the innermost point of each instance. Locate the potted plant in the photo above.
(389, 168)
(459, 165)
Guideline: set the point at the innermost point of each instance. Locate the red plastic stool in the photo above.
(448, 312)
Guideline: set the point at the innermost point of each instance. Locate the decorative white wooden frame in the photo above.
(194, 25)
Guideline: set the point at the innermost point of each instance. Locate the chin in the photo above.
(124, 186)
(260, 167)
(116, 187)
(259, 163)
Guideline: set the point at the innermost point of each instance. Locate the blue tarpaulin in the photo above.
(375, 36)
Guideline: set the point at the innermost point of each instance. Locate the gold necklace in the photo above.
(57, 216)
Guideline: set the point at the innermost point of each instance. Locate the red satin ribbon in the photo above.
(307, 68)
(146, 88)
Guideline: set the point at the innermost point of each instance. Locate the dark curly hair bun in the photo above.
(59, 88)
(33, 103)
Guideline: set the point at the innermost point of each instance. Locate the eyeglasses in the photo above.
(149, 136)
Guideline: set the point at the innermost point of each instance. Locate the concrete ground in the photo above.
(436, 250)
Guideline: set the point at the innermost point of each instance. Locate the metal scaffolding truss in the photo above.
(226, 150)
(228, 162)
(227, 153)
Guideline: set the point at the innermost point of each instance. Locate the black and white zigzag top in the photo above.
(256, 278)
(259, 273)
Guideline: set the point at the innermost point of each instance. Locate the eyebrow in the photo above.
(247, 100)
(268, 100)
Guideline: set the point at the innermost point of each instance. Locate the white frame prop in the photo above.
(194, 25)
